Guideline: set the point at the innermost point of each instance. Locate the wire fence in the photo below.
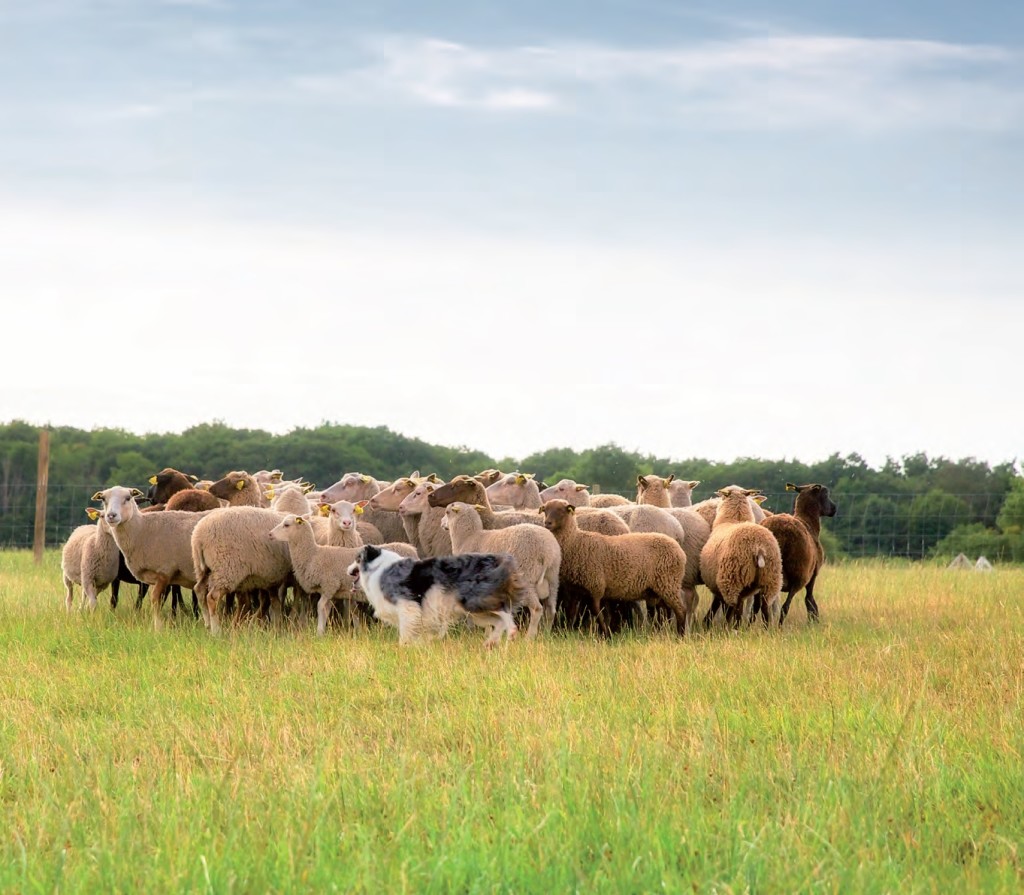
(866, 525)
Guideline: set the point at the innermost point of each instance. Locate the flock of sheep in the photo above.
(255, 544)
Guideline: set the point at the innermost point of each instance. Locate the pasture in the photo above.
(880, 751)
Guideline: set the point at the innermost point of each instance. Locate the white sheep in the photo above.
(423, 523)
(517, 490)
(156, 546)
(741, 559)
(569, 491)
(319, 568)
(71, 561)
(232, 552)
(355, 486)
(535, 550)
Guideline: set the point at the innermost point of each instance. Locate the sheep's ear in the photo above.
(415, 474)
(693, 485)
(299, 520)
(269, 494)
(98, 496)
(529, 475)
(641, 481)
(582, 487)
(191, 478)
(135, 492)
(433, 478)
(307, 487)
(540, 509)
(276, 475)
(240, 484)
(791, 487)
(324, 508)
(759, 499)
(358, 508)
(722, 492)
(751, 492)
(151, 480)
(571, 508)
(365, 479)
(92, 513)
(479, 507)
(668, 481)
(520, 479)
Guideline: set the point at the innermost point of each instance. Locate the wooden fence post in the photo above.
(39, 541)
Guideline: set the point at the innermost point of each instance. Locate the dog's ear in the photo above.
(370, 553)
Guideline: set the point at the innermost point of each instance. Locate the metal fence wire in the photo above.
(866, 525)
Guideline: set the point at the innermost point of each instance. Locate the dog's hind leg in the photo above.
(409, 619)
(501, 622)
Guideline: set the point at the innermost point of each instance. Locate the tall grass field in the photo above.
(879, 751)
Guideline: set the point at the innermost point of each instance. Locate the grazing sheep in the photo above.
(569, 491)
(632, 566)
(319, 568)
(156, 546)
(239, 489)
(232, 553)
(799, 537)
(740, 560)
(516, 490)
(535, 549)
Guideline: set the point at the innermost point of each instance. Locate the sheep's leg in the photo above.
(143, 590)
(550, 602)
(532, 602)
(213, 603)
(716, 604)
(691, 601)
(89, 596)
(323, 607)
(785, 606)
(200, 594)
(602, 622)
(115, 588)
(69, 594)
(195, 605)
(157, 599)
(809, 601)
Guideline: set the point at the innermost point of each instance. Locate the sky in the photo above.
(734, 229)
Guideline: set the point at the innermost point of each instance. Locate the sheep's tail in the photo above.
(760, 559)
(202, 571)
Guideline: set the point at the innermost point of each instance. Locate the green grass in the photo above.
(880, 751)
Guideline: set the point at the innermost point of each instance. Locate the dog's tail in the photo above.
(500, 588)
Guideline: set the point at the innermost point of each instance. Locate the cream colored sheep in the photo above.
(517, 490)
(609, 501)
(288, 498)
(569, 491)
(319, 568)
(709, 507)
(232, 553)
(339, 524)
(631, 567)
(535, 550)
(423, 523)
(741, 560)
(101, 560)
(157, 547)
(71, 561)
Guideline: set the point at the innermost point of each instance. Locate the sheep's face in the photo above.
(118, 504)
(415, 503)
(680, 492)
(288, 527)
(463, 488)
(343, 515)
(569, 491)
(392, 496)
(651, 490)
(231, 484)
(488, 477)
(557, 513)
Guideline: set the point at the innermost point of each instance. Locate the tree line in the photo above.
(915, 506)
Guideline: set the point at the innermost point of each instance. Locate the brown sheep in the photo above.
(799, 537)
(740, 560)
(193, 500)
(630, 567)
(167, 482)
(239, 489)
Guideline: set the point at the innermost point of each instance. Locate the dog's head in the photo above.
(363, 562)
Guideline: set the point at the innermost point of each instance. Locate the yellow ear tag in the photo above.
(358, 510)
(299, 520)
(325, 509)
(152, 480)
(270, 494)
(240, 484)
(92, 513)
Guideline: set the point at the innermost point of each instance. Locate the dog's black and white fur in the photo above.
(428, 594)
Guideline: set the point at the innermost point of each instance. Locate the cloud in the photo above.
(776, 81)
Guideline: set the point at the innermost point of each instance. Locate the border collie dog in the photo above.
(428, 594)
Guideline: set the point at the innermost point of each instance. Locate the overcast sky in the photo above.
(765, 228)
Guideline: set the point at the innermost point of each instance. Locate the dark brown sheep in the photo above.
(167, 482)
(799, 537)
(238, 488)
(193, 500)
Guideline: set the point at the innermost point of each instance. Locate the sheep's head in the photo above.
(344, 514)
(392, 496)
(680, 492)
(287, 527)
(652, 490)
(167, 482)
(415, 503)
(118, 503)
(488, 477)
(813, 499)
(557, 514)
(463, 488)
(567, 490)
